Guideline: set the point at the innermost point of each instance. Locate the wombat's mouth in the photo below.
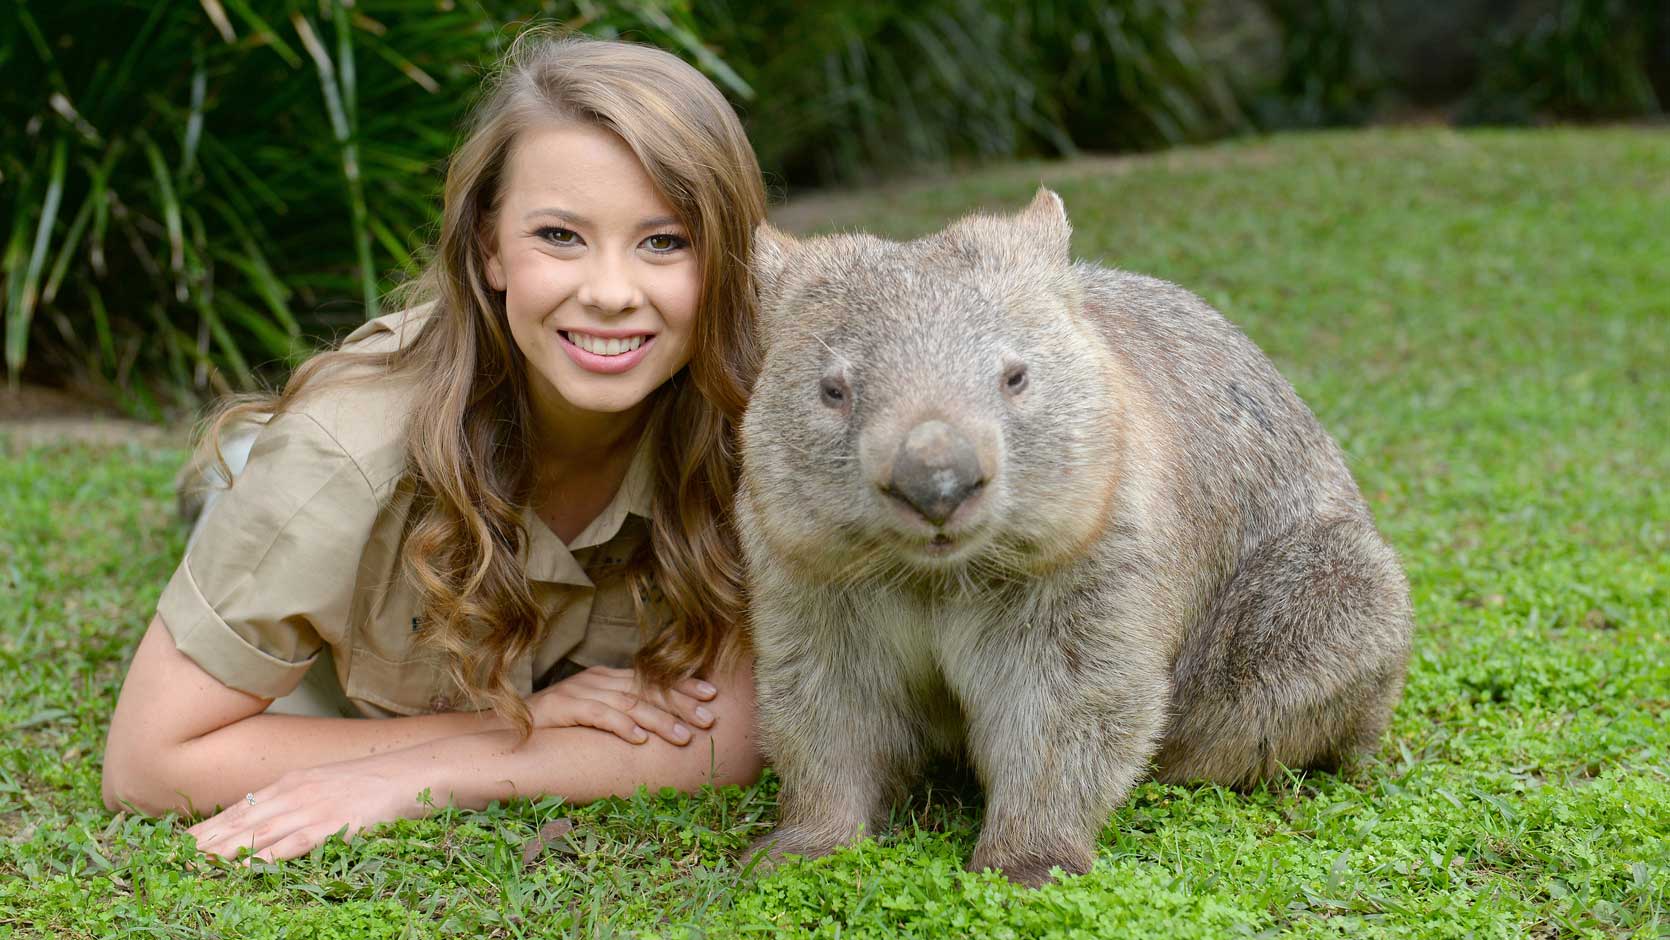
(947, 548)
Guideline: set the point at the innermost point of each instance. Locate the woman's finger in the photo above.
(595, 714)
(647, 714)
(697, 688)
(252, 837)
(241, 818)
(300, 842)
(690, 709)
(664, 723)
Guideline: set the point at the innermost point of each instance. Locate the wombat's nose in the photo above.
(935, 470)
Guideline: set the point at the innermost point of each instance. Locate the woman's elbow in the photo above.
(120, 786)
(723, 760)
(740, 770)
(131, 783)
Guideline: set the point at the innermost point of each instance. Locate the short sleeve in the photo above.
(271, 576)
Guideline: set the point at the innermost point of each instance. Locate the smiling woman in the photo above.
(497, 520)
(600, 279)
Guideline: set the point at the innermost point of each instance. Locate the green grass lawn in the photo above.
(1481, 319)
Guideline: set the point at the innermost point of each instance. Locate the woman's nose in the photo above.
(609, 287)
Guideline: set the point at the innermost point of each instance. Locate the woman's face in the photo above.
(599, 276)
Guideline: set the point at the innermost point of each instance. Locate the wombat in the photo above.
(1062, 522)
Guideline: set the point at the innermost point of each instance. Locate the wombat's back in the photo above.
(1249, 454)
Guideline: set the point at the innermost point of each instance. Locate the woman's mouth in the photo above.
(605, 354)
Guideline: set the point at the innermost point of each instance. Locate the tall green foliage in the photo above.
(196, 190)
(192, 189)
(851, 89)
(1573, 58)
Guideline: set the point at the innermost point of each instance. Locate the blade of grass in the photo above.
(246, 180)
(339, 112)
(67, 250)
(266, 33)
(99, 101)
(278, 344)
(12, 264)
(101, 325)
(20, 306)
(350, 155)
(170, 214)
(33, 30)
(223, 340)
(423, 79)
(217, 16)
(173, 341)
(99, 195)
(194, 123)
(392, 244)
(654, 14)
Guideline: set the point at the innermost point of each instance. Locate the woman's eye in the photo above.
(559, 236)
(665, 244)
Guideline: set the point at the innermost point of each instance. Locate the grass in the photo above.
(1482, 319)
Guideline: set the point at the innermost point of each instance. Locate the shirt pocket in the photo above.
(612, 633)
(392, 669)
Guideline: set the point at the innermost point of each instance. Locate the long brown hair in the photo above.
(469, 454)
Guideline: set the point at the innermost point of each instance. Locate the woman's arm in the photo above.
(580, 764)
(181, 740)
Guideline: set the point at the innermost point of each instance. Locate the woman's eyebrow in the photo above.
(562, 215)
(575, 219)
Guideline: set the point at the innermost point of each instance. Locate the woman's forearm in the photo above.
(181, 740)
(578, 764)
(222, 765)
(305, 806)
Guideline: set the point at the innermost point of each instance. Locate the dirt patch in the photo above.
(33, 416)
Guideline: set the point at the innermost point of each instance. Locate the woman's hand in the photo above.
(305, 807)
(612, 700)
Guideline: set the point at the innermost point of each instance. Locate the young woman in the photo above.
(514, 494)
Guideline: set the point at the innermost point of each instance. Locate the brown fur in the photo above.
(1163, 567)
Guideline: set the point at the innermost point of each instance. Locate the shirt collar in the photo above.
(548, 559)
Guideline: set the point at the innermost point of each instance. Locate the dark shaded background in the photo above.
(196, 193)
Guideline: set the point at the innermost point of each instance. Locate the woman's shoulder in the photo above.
(365, 408)
(390, 332)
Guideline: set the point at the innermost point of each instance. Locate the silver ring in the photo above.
(249, 798)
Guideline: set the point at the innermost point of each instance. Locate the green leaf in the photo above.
(21, 296)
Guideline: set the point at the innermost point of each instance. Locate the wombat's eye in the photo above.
(833, 391)
(1015, 379)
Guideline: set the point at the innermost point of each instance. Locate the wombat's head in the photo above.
(938, 404)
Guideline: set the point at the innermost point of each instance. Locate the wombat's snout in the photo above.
(935, 470)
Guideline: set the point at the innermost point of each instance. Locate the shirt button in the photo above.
(440, 703)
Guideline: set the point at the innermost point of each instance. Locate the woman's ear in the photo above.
(488, 235)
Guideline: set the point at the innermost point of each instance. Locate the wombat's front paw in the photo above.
(1031, 869)
(787, 840)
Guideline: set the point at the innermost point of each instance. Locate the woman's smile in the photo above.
(609, 355)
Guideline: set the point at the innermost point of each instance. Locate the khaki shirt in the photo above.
(304, 552)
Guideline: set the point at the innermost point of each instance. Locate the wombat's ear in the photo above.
(771, 256)
(1046, 218)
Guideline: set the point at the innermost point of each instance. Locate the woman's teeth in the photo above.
(603, 347)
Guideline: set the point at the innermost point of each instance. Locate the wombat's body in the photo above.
(1063, 521)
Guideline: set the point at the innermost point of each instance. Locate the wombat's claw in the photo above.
(767, 852)
(761, 856)
(1030, 872)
